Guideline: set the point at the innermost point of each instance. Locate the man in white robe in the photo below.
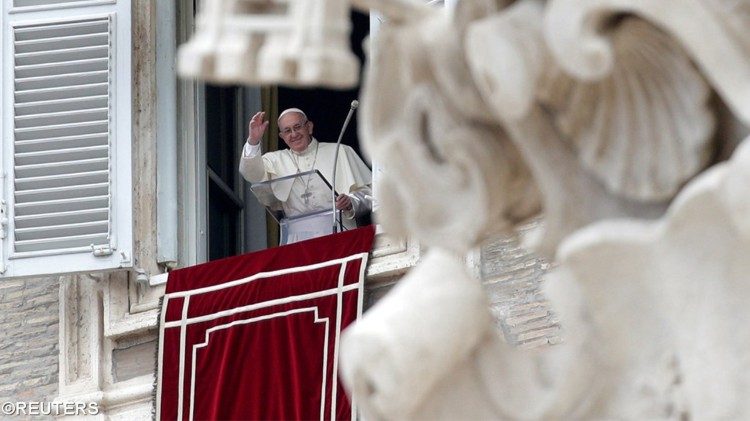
(305, 153)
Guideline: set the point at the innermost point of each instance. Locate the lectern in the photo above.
(300, 203)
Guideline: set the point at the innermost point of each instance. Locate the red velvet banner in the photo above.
(256, 336)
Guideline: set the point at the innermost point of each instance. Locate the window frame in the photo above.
(192, 184)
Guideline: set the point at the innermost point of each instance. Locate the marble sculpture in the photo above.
(603, 115)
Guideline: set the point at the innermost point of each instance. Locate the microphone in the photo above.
(353, 107)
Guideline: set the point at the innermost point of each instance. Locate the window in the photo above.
(217, 213)
(66, 117)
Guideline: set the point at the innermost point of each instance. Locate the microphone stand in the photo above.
(353, 107)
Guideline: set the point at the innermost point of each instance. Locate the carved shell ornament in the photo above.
(515, 72)
(720, 48)
(645, 128)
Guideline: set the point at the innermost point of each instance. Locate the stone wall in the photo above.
(513, 278)
(29, 340)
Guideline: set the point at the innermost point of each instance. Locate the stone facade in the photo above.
(70, 338)
(29, 340)
(513, 279)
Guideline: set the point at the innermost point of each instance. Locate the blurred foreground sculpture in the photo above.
(301, 43)
(602, 114)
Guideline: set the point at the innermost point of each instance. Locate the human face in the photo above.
(295, 131)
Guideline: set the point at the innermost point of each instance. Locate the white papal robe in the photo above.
(352, 175)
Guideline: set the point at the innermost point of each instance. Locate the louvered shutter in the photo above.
(67, 137)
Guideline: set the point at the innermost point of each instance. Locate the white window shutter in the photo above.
(66, 192)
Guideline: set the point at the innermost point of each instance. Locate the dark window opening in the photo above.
(225, 205)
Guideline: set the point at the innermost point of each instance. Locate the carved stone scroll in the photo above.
(404, 347)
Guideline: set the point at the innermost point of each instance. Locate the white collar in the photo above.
(311, 147)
